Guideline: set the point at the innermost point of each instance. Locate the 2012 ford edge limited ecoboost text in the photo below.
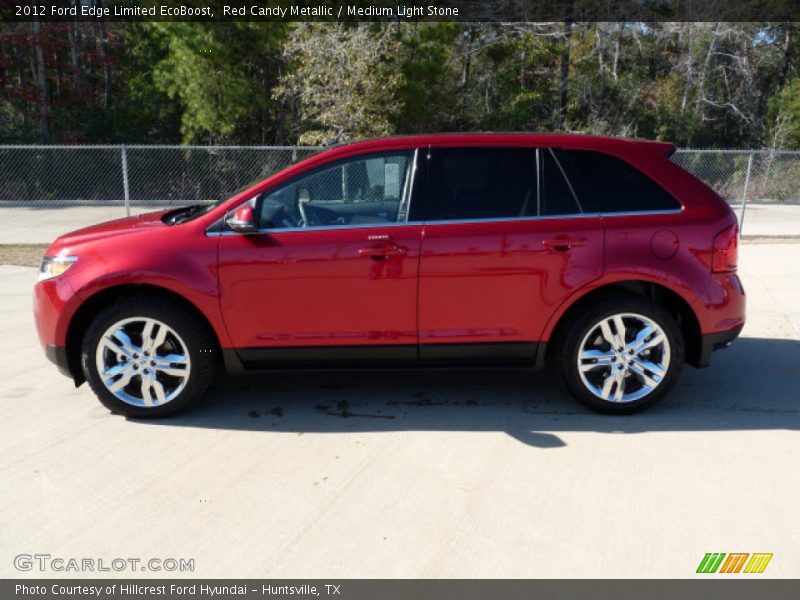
(599, 257)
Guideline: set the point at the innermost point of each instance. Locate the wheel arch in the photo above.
(98, 301)
(677, 305)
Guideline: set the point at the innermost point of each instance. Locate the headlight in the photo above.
(53, 266)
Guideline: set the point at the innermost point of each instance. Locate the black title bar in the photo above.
(400, 10)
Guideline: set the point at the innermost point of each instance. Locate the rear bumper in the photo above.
(721, 315)
(58, 356)
(710, 342)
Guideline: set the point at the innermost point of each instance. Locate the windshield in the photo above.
(188, 213)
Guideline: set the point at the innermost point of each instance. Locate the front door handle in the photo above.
(562, 244)
(381, 247)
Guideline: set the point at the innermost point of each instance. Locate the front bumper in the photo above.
(54, 304)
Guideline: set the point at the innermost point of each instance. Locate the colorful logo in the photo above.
(735, 562)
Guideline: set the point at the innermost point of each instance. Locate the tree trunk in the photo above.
(19, 60)
(40, 77)
(106, 65)
(688, 78)
(57, 73)
(601, 66)
(615, 69)
(465, 70)
(788, 49)
(74, 35)
(564, 79)
(699, 107)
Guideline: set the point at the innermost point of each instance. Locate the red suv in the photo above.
(598, 256)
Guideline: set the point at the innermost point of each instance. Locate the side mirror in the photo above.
(243, 220)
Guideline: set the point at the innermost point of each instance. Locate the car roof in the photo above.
(563, 140)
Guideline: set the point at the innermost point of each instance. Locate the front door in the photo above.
(333, 266)
(505, 243)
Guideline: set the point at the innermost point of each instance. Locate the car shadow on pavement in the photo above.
(750, 386)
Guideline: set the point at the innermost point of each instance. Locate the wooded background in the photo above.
(696, 84)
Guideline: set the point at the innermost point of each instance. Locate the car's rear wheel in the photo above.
(622, 355)
(146, 357)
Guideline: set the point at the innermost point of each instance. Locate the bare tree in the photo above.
(74, 36)
(39, 72)
(564, 74)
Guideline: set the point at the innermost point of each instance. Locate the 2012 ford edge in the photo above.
(597, 256)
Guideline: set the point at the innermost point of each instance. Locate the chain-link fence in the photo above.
(48, 190)
(762, 186)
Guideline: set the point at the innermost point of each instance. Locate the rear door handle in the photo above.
(562, 244)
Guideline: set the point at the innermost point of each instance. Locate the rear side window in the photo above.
(481, 183)
(607, 184)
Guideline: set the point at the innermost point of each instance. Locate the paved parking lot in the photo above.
(42, 222)
(446, 474)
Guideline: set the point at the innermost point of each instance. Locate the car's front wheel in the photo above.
(621, 355)
(147, 357)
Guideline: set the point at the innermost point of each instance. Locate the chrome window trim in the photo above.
(636, 213)
(404, 210)
(552, 217)
(322, 228)
(458, 221)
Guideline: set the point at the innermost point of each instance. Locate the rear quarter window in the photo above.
(607, 184)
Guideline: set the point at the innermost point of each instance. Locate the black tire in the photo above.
(571, 338)
(200, 346)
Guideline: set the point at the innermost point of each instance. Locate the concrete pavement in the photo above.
(446, 474)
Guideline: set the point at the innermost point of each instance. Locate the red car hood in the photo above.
(115, 228)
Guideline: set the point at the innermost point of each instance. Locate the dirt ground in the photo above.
(24, 255)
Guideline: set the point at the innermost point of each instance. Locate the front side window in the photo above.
(371, 189)
(608, 184)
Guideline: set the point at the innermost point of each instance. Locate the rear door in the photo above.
(505, 243)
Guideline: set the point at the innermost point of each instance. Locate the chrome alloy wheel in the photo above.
(143, 362)
(624, 357)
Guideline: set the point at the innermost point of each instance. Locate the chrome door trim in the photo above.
(636, 213)
(404, 210)
(457, 221)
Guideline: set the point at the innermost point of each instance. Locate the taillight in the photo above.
(726, 250)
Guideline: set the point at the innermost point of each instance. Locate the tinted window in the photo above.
(481, 183)
(609, 184)
(363, 190)
(557, 197)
